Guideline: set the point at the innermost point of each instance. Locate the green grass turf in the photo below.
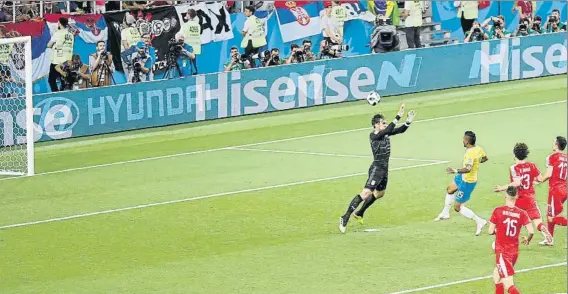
(282, 239)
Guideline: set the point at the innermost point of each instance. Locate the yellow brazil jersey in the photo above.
(472, 157)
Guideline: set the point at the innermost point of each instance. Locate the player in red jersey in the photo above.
(523, 174)
(556, 170)
(506, 223)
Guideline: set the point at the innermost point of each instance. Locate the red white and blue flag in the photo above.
(298, 19)
(89, 27)
(40, 34)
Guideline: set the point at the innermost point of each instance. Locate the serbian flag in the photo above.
(41, 60)
(89, 27)
(298, 19)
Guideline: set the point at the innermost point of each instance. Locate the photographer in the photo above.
(497, 30)
(330, 50)
(273, 58)
(299, 55)
(253, 34)
(179, 57)
(476, 34)
(330, 28)
(536, 25)
(524, 29)
(75, 74)
(139, 64)
(101, 66)
(237, 62)
(553, 23)
(384, 37)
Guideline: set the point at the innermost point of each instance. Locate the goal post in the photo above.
(16, 107)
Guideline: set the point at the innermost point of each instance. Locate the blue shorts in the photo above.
(464, 189)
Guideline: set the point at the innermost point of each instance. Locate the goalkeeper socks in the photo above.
(559, 220)
(368, 202)
(513, 290)
(499, 289)
(352, 206)
(448, 204)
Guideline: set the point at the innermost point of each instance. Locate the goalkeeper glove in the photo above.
(410, 116)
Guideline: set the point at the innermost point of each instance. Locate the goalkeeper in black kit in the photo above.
(379, 170)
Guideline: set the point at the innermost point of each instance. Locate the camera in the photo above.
(552, 18)
(104, 55)
(384, 37)
(339, 47)
(72, 77)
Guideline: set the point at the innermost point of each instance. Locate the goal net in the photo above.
(16, 108)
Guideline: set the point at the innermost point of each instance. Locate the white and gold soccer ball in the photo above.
(373, 98)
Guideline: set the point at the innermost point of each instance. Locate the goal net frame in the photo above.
(28, 80)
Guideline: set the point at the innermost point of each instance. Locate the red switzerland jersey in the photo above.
(559, 163)
(508, 222)
(527, 172)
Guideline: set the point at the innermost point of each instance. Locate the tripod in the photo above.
(104, 71)
(172, 64)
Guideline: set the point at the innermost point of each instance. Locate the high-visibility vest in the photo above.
(469, 9)
(255, 33)
(414, 18)
(63, 48)
(132, 36)
(340, 14)
(5, 51)
(192, 33)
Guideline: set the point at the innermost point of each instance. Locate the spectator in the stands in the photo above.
(476, 34)
(525, 9)
(412, 17)
(100, 6)
(3, 14)
(159, 3)
(468, 12)
(134, 4)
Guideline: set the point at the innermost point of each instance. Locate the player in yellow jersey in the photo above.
(464, 182)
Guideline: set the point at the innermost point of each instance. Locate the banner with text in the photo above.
(214, 19)
(205, 97)
(160, 23)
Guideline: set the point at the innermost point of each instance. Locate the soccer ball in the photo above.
(373, 98)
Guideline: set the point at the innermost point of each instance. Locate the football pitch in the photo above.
(251, 204)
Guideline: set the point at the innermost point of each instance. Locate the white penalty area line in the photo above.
(276, 141)
(330, 154)
(207, 196)
(477, 279)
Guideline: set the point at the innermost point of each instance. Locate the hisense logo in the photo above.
(509, 61)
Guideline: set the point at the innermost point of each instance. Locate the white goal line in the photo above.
(331, 154)
(476, 279)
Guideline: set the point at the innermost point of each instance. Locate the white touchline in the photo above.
(207, 196)
(476, 279)
(329, 154)
(275, 141)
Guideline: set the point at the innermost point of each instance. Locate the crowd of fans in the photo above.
(138, 56)
(23, 10)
